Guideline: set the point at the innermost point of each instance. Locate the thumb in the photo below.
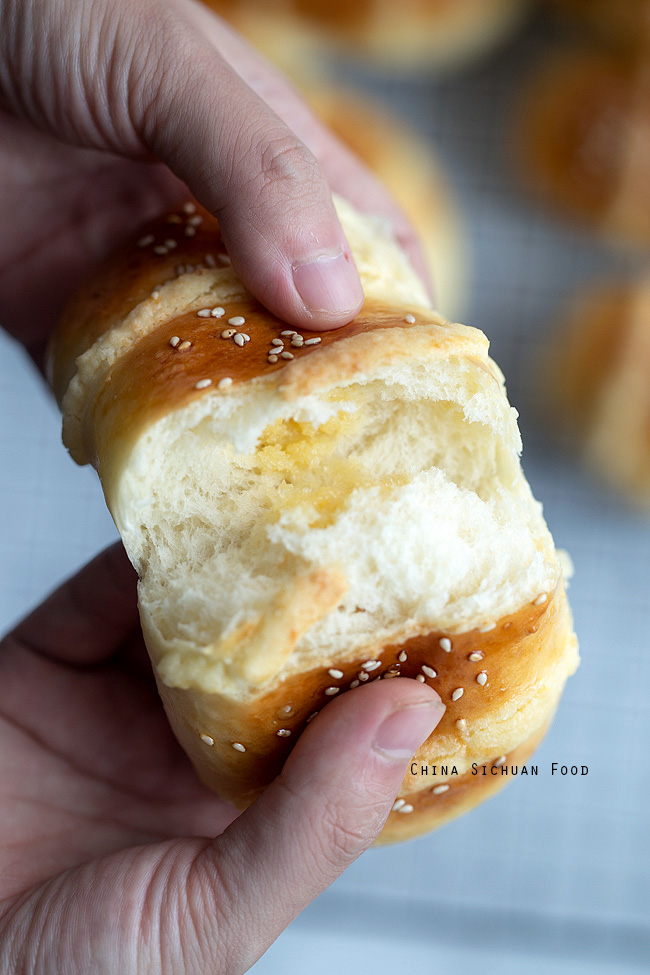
(327, 806)
(250, 169)
(147, 80)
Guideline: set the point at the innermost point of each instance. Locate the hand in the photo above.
(113, 856)
(106, 106)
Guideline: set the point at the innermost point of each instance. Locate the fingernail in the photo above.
(403, 731)
(329, 283)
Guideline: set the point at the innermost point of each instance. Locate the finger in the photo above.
(253, 172)
(327, 807)
(345, 172)
(90, 616)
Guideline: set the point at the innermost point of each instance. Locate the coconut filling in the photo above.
(437, 530)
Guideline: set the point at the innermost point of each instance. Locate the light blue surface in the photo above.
(552, 874)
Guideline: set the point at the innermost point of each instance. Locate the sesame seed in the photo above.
(391, 673)
(207, 739)
(224, 259)
(237, 320)
(286, 355)
(245, 337)
(398, 804)
(203, 384)
(429, 671)
(363, 676)
(170, 244)
(457, 694)
(439, 789)
(331, 691)
(239, 339)
(461, 724)
(160, 250)
(224, 383)
(487, 628)
(543, 596)
(195, 221)
(420, 677)
(237, 745)
(174, 341)
(287, 709)
(481, 678)
(173, 218)
(313, 341)
(272, 359)
(218, 311)
(410, 320)
(190, 232)
(445, 644)
(499, 761)
(403, 657)
(312, 716)
(204, 313)
(288, 331)
(371, 665)
(228, 333)
(297, 341)
(406, 808)
(277, 342)
(155, 294)
(184, 345)
(146, 240)
(210, 261)
(355, 683)
(336, 674)
(476, 655)
(189, 207)
(283, 733)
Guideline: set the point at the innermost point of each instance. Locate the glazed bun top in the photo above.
(284, 494)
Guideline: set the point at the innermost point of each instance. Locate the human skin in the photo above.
(113, 856)
(109, 110)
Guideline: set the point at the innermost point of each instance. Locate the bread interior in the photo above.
(408, 485)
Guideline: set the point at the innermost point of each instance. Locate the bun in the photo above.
(598, 375)
(583, 141)
(405, 38)
(350, 511)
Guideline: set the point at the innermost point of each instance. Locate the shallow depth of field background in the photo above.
(552, 874)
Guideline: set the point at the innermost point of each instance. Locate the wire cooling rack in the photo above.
(552, 874)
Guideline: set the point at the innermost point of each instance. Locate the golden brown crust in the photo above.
(128, 277)
(158, 374)
(519, 656)
(441, 801)
(126, 366)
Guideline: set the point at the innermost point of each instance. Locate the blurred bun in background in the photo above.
(597, 385)
(410, 36)
(582, 140)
